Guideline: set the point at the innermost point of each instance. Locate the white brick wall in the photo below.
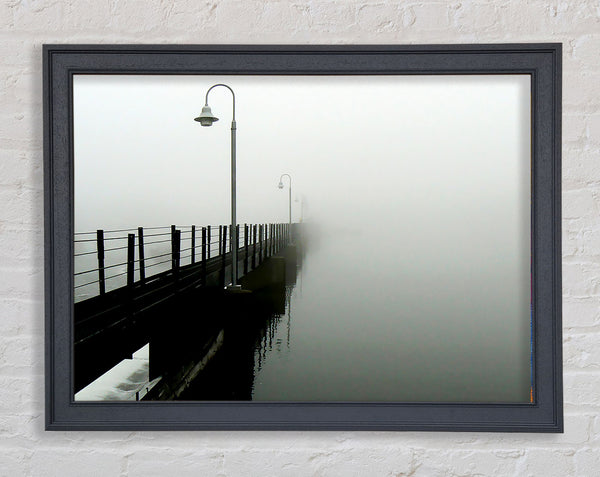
(25, 449)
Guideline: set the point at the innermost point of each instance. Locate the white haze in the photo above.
(385, 152)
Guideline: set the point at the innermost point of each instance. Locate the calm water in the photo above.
(370, 319)
(388, 328)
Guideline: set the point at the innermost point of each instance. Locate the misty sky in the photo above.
(377, 150)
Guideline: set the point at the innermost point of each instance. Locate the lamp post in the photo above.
(280, 185)
(206, 118)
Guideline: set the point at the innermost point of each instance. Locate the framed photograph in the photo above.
(303, 237)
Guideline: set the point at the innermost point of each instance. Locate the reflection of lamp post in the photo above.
(206, 118)
(280, 185)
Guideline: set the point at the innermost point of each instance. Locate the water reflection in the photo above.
(377, 330)
(261, 331)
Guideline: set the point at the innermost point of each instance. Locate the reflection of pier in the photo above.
(248, 340)
(183, 312)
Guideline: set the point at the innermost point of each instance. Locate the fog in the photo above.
(381, 151)
(417, 188)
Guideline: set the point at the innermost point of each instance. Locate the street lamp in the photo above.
(280, 185)
(206, 118)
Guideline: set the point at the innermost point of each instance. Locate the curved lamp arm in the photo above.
(224, 85)
(288, 176)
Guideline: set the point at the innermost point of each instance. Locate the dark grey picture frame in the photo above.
(541, 61)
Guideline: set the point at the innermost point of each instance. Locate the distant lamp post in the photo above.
(280, 185)
(301, 200)
(206, 118)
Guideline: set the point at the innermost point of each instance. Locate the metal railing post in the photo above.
(193, 259)
(130, 259)
(245, 248)
(175, 248)
(203, 255)
(223, 254)
(254, 246)
(208, 240)
(141, 253)
(100, 251)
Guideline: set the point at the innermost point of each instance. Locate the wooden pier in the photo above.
(179, 311)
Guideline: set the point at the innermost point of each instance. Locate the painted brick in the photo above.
(469, 16)
(20, 317)
(581, 166)
(15, 462)
(6, 14)
(579, 203)
(17, 430)
(572, 237)
(581, 312)
(90, 14)
(573, 287)
(20, 246)
(25, 449)
(16, 53)
(20, 129)
(591, 241)
(22, 204)
(20, 354)
(62, 462)
(595, 430)
(577, 429)
(324, 462)
(333, 16)
(581, 389)
(587, 462)
(19, 283)
(15, 395)
(379, 18)
(149, 16)
(162, 461)
(19, 87)
(20, 167)
(276, 14)
(38, 16)
(430, 16)
(593, 129)
(265, 462)
(362, 461)
(266, 18)
(557, 17)
(584, 52)
(574, 129)
(177, 16)
(582, 89)
(471, 462)
(582, 351)
(565, 15)
(547, 462)
(527, 17)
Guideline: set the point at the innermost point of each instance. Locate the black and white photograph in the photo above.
(322, 238)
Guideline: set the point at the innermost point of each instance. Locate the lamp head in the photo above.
(280, 185)
(206, 117)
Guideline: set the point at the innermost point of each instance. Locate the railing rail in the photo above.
(200, 244)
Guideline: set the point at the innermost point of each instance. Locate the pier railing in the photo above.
(109, 259)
